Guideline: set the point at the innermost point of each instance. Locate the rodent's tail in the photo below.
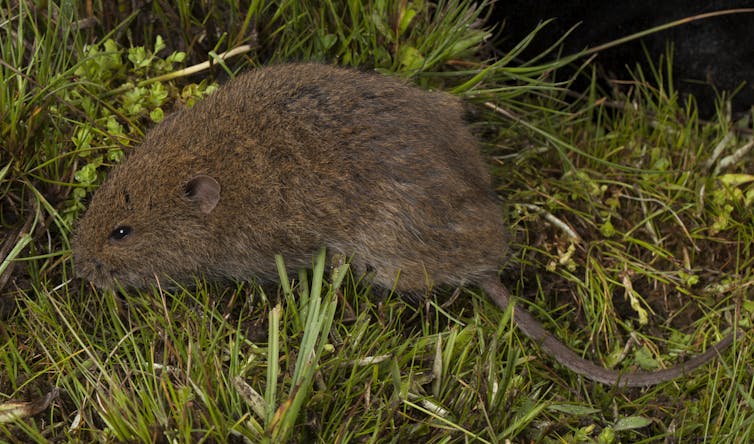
(564, 355)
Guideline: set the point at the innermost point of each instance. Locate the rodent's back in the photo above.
(308, 155)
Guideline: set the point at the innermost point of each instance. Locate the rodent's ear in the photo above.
(204, 191)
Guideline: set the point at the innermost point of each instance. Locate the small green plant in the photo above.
(733, 196)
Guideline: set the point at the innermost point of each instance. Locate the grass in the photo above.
(632, 235)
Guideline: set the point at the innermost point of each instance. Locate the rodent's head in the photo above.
(142, 225)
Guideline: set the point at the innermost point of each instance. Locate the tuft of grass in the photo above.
(632, 242)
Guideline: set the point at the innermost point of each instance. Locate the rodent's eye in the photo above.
(120, 233)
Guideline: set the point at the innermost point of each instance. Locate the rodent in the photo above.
(289, 158)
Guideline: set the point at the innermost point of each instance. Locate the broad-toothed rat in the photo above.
(290, 158)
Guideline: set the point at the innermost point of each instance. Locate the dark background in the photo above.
(710, 54)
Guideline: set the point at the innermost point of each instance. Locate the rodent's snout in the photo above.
(90, 269)
(80, 265)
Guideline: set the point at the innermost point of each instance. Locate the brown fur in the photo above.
(290, 158)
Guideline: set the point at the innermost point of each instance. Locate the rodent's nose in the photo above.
(86, 266)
